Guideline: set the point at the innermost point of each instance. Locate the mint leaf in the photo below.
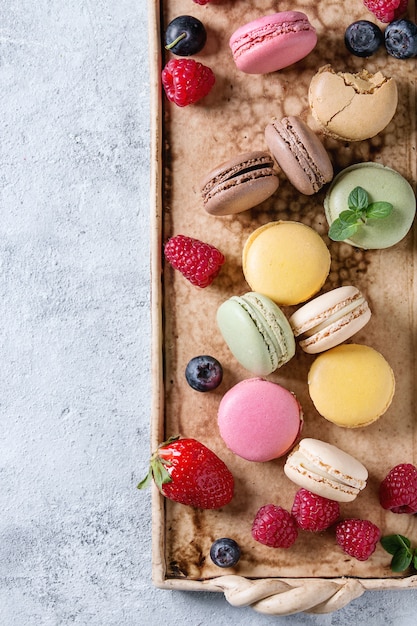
(340, 230)
(349, 220)
(405, 541)
(358, 199)
(401, 560)
(393, 543)
(349, 217)
(378, 210)
(403, 555)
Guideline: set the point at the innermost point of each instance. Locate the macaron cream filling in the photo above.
(247, 170)
(256, 167)
(326, 470)
(340, 329)
(333, 315)
(320, 470)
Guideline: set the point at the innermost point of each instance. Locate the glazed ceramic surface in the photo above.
(188, 143)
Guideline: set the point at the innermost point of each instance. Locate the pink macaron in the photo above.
(259, 420)
(272, 42)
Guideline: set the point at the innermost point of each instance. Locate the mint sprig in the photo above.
(359, 211)
(403, 554)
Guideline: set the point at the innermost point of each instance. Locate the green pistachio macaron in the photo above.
(382, 184)
(257, 332)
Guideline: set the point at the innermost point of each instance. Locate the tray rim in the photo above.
(273, 596)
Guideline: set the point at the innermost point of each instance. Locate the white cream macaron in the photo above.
(325, 470)
(330, 319)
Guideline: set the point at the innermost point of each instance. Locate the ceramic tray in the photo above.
(314, 575)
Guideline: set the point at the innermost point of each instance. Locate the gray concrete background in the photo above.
(75, 331)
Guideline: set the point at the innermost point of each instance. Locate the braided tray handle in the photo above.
(284, 597)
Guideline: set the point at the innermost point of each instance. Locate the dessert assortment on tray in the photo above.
(284, 467)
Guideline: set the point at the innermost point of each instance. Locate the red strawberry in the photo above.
(357, 537)
(313, 512)
(386, 10)
(201, 1)
(186, 81)
(274, 527)
(199, 262)
(398, 490)
(186, 471)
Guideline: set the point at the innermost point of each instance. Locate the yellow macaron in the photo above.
(351, 385)
(285, 260)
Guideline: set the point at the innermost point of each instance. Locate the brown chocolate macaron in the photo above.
(239, 184)
(299, 153)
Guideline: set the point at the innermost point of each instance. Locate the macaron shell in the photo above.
(286, 261)
(239, 184)
(352, 107)
(259, 420)
(330, 319)
(315, 313)
(382, 183)
(324, 487)
(326, 470)
(272, 324)
(300, 154)
(334, 334)
(257, 333)
(272, 42)
(333, 461)
(351, 385)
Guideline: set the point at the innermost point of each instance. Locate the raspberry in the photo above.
(398, 490)
(199, 262)
(186, 81)
(357, 537)
(386, 10)
(313, 512)
(274, 527)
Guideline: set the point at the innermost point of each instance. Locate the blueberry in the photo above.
(401, 39)
(225, 552)
(185, 36)
(363, 38)
(204, 373)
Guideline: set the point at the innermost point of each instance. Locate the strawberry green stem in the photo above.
(157, 468)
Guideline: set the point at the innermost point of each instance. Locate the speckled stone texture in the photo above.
(75, 331)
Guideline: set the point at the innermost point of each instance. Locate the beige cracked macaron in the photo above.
(352, 106)
(330, 319)
(239, 184)
(326, 470)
